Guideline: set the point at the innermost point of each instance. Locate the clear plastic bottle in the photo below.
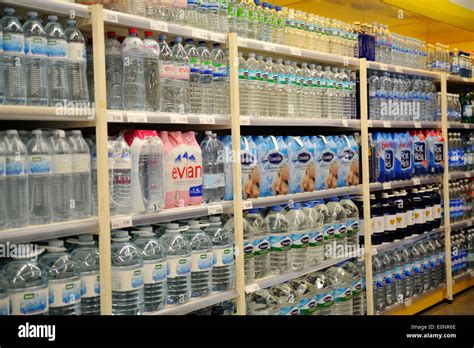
(76, 65)
(206, 78)
(4, 298)
(121, 177)
(253, 84)
(133, 72)
(2, 82)
(195, 93)
(379, 288)
(299, 227)
(181, 77)
(114, 72)
(220, 174)
(167, 71)
(280, 240)
(398, 275)
(341, 282)
(209, 163)
(243, 86)
(281, 89)
(352, 221)
(416, 258)
(408, 274)
(305, 295)
(249, 248)
(292, 89)
(316, 238)
(324, 293)
(388, 279)
(261, 242)
(90, 69)
(81, 175)
(357, 288)
(331, 92)
(425, 263)
(3, 187)
(151, 52)
(338, 218)
(219, 80)
(261, 302)
(287, 299)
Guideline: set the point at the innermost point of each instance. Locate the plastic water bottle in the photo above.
(40, 175)
(57, 67)
(4, 299)
(206, 70)
(249, 248)
(181, 77)
(417, 269)
(16, 160)
(243, 86)
(27, 284)
(194, 75)
(219, 80)
(425, 264)
(167, 70)
(341, 282)
(338, 218)
(287, 299)
(223, 255)
(36, 61)
(398, 275)
(76, 64)
(209, 161)
(352, 221)
(220, 175)
(86, 254)
(64, 279)
(280, 240)
(191, 14)
(151, 52)
(261, 242)
(357, 288)
(13, 58)
(378, 283)
(90, 69)
(127, 275)
(155, 268)
(122, 177)
(408, 275)
(262, 302)
(151, 173)
(298, 226)
(388, 279)
(305, 295)
(2, 82)
(316, 240)
(133, 72)
(81, 175)
(324, 293)
(201, 258)
(253, 84)
(3, 187)
(281, 89)
(114, 72)
(328, 228)
(179, 265)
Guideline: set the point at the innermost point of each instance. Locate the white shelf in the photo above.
(56, 7)
(459, 79)
(282, 278)
(459, 125)
(461, 175)
(462, 224)
(44, 113)
(402, 70)
(302, 197)
(129, 21)
(310, 122)
(403, 124)
(424, 180)
(297, 52)
(196, 304)
(36, 233)
(119, 116)
(409, 240)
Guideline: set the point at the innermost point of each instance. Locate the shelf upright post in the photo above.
(447, 222)
(364, 140)
(97, 19)
(237, 174)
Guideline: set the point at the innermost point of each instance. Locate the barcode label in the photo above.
(386, 186)
(345, 123)
(383, 67)
(295, 51)
(369, 124)
(199, 34)
(217, 37)
(207, 120)
(417, 124)
(269, 47)
(399, 69)
(467, 174)
(137, 117)
(252, 288)
(386, 124)
(111, 17)
(345, 61)
(469, 223)
(215, 209)
(408, 302)
(121, 222)
(374, 251)
(178, 118)
(244, 121)
(247, 205)
(416, 181)
(115, 116)
(466, 126)
(159, 26)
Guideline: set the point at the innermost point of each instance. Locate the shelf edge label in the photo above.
(121, 222)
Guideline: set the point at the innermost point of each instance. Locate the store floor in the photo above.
(463, 304)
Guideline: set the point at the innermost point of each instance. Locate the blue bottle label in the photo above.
(13, 43)
(40, 164)
(36, 46)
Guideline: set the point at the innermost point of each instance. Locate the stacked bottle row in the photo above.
(467, 103)
(407, 271)
(400, 156)
(278, 240)
(338, 290)
(42, 65)
(460, 151)
(461, 63)
(59, 282)
(223, 308)
(396, 215)
(152, 76)
(454, 107)
(45, 176)
(461, 251)
(400, 97)
(460, 200)
(284, 89)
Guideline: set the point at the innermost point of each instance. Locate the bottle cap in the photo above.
(10, 11)
(148, 34)
(132, 31)
(162, 37)
(32, 14)
(111, 34)
(86, 238)
(178, 39)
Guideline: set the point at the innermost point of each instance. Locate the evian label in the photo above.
(183, 170)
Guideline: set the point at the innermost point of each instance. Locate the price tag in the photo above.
(136, 117)
(408, 302)
(121, 222)
(178, 118)
(399, 69)
(345, 61)
(386, 186)
(215, 209)
(199, 34)
(345, 123)
(115, 116)
(295, 51)
(370, 124)
(417, 124)
(467, 174)
(386, 124)
(383, 67)
(469, 223)
(243, 42)
(216, 37)
(466, 126)
(252, 288)
(269, 47)
(246, 205)
(472, 273)
(159, 26)
(374, 251)
(465, 79)
(244, 121)
(207, 120)
(110, 17)
(416, 181)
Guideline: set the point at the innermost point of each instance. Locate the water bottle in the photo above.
(40, 175)
(155, 268)
(287, 299)
(223, 255)
(3, 187)
(261, 242)
(4, 299)
(27, 284)
(262, 302)
(253, 84)
(425, 264)
(166, 76)
(243, 86)
(222, 13)
(324, 293)
(209, 163)
(81, 175)
(219, 80)
(220, 175)
(379, 288)
(399, 277)
(388, 279)
(281, 89)
(181, 77)
(2, 82)
(90, 69)
(179, 265)
(352, 221)
(316, 238)
(36, 61)
(434, 263)
(249, 248)
(13, 58)
(17, 198)
(206, 70)
(151, 52)
(194, 75)
(64, 280)
(341, 282)
(338, 217)
(127, 275)
(305, 295)
(357, 288)
(133, 72)
(417, 269)
(191, 14)
(114, 72)
(408, 274)
(298, 226)
(86, 254)
(122, 177)
(76, 64)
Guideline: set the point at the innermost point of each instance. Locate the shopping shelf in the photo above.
(424, 180)
(310, 122)
(196, 304)
(376, 249)
(35, 233)
(460, 80)
(418, 303)
(119, 116)
(461, 175)
(403, 124)
(403, 70)
(45, 113)
(51, 7)
(460, 125)
(463, 281)
(462, 224)
(282, 278)
(300, 197)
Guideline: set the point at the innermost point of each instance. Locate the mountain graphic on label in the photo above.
(185, 156)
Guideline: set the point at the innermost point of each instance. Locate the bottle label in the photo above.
(201, 261)
(62, 164)
(437, 211)
(194, 65)
(352, 226)
(401, 221)
(206, 67)
(419, 216)
(379, 280)
(29, 302)
(243, 73)
(248, 249)
(340, 230)
(253, 74)
(398, 274)
(357, 287)
(122, 161)
(16, 165)
(57, 48)
(308, 305)
(261, 246)
(181, 71)
(342, 294)
(219, 70)
(282, 79)
(434, 262)
(407, 270)
(426, 263)
(417, 267)
(75, 52)
(324, 300)
(81, 163)
(280, 242)
(40, 164)
(94, 162)
(154, 272)
(429, 214)
(90, 285)
(410, 218)
(179, 266)
(299, 240)
(390, 222)
(2, 166)
(387, 277)
(223, 257)
(36, 46)
(377, 224)
(209, 181)
(13, 43)
(4, 306)
(167, 69)
(127, 280)
(61, 293)
(316, 238)
(328, 232)
(289, 311)
(220, 180)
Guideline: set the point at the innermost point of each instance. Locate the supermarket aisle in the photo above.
(463, 305)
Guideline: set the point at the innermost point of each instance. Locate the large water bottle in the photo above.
(219, 80)
(40, 175)
(249, 248)
(194, 75)
(262, 302)
(407, 269)
(16, 159)
(27, 284)
(220, 175)
(192, 14)
(253, 86)
(64, 279)
(305, 295)
(133, 72)
(341, 282)
(2, 82)
(378, 283)
(338, 217)
(287, 299)
(114, 71)
(425, 264)
(316, 238)
(352, 221)
(151, 52)
(181, 77)
(122, 177)
(398, 275)
(76, 64)
(86, 254)
(36, 61)
(167, 71)
(81, 175)
(209, 161)
(127, 275)
(90, 69)
(280, 240)
(357, 288)
(13, 58)
(179, 265)
(281, 89)
(155, 268)
(299, 227)
(261, 242)
(4, 299)
(416, 258)
(434, 263)
(151, 173)
(205, 70)
(243, 85)
(3, 187)
(388, 279)
(324, 293)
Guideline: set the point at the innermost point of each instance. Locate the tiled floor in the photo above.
(463, 304)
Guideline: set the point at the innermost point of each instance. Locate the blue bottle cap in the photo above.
(277, 208)
(162, 37)
(178, 39)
